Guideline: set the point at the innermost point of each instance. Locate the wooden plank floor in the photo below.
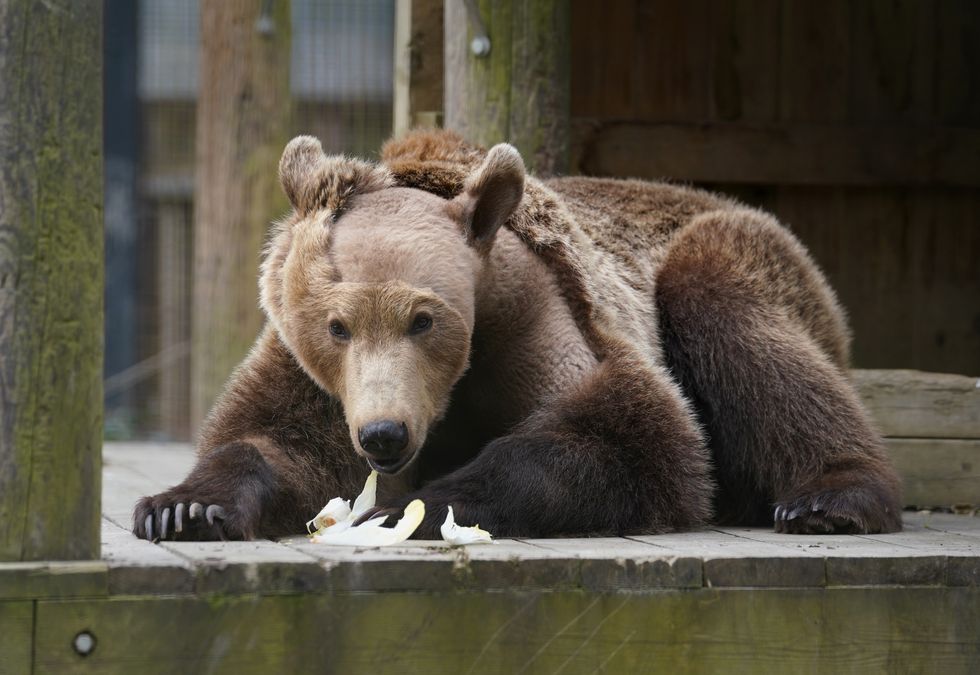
(720, 600)
(935, 549)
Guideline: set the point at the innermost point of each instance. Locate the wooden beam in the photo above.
(51, 279)
(794, 154)
(835, 629)
(242, 127)
(518, 90)
(910, 403)
(940, 472)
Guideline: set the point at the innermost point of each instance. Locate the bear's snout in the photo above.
(383, 442)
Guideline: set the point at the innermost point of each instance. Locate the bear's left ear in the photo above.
(491, 195)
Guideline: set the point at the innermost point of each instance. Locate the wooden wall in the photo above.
(857, 123)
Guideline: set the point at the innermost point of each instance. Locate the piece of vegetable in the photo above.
(372, 534)
(338, 514)
(458, 535)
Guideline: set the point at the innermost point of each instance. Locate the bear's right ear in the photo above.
(491, 195)
(299, 163)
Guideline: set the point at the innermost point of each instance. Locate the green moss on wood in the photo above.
(780, 630)
(51, 265)
(519, 92)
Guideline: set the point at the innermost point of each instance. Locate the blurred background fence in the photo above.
(339, 73)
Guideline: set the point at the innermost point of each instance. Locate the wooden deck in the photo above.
(735, 599)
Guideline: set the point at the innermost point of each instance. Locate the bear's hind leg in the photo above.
(752, 333)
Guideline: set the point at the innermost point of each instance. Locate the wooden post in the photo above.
(242, 127)
(518, 91)
(51, 279)
(419, 65)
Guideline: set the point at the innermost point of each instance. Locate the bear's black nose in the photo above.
(383, 440)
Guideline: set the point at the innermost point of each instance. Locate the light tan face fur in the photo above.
(348, 295)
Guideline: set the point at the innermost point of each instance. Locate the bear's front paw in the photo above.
(222, 498)
(845, 510)
(182, 514)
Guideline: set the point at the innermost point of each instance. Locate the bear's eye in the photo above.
(420, 324)
(338, 331)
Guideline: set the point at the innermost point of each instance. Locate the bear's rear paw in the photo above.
(848, 510)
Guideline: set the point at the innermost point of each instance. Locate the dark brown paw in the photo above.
(851, 510)
(179, 515)
(223, 498)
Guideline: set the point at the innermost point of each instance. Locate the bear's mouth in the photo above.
(390, 466)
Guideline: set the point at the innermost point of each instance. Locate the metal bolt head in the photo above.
(480, 46)
(265, 25)
(84, 643)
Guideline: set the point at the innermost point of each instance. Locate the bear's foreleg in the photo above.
(228, 495)
(750, 330)
(619, 454)
(273, 450)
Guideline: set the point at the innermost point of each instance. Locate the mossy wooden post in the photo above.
(518, 91)
(242, 127)
(51, 279)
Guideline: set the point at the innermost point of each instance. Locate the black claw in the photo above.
(164, 523)
(214, 511)
(149, 527)
(179, 518)
(196, 511)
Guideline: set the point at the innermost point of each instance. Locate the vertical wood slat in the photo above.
(671, 73)
(174, 276)
(242, 127)
(519, 91)
(814, 53)
(603, 37)
(745, 67)
(957, 70)
(51, 279)
(893, 59)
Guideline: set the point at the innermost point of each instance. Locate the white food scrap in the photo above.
(372, 534)
(338, 514)
(458, 535)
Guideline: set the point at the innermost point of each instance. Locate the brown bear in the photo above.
(575, 356)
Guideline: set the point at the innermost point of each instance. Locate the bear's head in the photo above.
(373, 287)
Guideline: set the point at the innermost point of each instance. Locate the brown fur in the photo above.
(605, 329)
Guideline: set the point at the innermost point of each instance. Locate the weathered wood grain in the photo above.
(732, 561)
(616, 563)
(913, 404)
(814, 53)
(937, 472)
(69, 579)
(16, 637)
(242, 126)
(249, 566)
(822, 630)
(519, 92)
(134, 470)
(51, 272)
(138, 567)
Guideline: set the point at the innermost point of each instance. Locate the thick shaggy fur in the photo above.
(639, 355)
